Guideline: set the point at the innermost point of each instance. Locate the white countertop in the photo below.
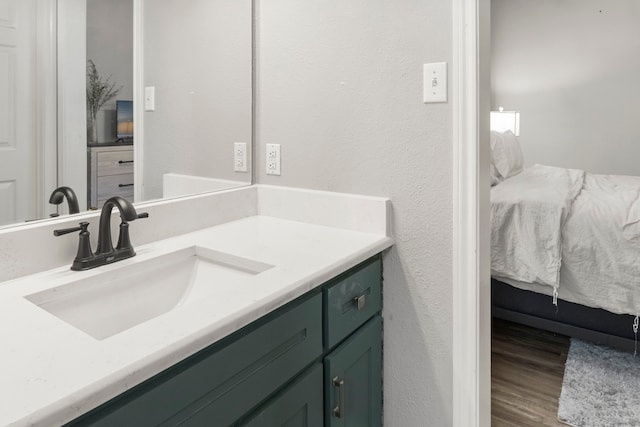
(52, 372)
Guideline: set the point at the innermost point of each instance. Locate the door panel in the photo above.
(7, 84)
(7, 199)
(17, 110)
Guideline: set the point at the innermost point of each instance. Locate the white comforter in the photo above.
(567, 228)
(527, 214)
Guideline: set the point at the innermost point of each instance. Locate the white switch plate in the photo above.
(273, 159)
(435, 82)
(240, 156)
(150, 98)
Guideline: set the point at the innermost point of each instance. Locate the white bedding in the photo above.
(527, 214)
(596, 248)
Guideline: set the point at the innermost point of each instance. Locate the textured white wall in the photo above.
(572, 68)
(340, 88)
(199, 60)
(110, 47)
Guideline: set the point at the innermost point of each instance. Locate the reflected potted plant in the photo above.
(99, 92)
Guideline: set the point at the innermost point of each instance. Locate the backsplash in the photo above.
(33, 248)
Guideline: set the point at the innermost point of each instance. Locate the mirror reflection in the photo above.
(94, 104)
(109, 101)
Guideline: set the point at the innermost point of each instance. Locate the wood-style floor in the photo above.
(527, 366)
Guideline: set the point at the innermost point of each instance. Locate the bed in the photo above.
(565, 248)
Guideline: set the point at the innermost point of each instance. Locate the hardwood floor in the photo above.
(527, 367)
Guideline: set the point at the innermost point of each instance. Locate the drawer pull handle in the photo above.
(125, 185)
(338, 411)
(360, 302)
(125, 161)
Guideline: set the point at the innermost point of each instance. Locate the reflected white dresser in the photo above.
(110, 173)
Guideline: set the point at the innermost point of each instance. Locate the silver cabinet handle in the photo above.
(360, 301)
(338, 411)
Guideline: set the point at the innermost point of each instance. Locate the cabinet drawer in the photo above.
(223, 382)
(352, 301)
(115, 185)
(114, 162)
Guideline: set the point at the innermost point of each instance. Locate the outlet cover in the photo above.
(240, 156)
(273, 159)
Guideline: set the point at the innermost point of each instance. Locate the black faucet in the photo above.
(106, 253)
(59, 195)
(127, 213)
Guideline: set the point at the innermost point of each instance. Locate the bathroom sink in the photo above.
(119, 299)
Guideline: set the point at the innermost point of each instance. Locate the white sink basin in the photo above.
(117, 300)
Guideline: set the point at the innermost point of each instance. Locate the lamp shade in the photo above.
(502, 121)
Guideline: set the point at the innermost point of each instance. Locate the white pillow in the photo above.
(506, 156)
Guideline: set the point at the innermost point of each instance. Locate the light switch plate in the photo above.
(240, 156)
(150, 98)
(435, 82)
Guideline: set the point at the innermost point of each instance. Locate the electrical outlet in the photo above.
(273, 159)
(240, 156)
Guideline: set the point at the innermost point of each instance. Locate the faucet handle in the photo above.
(83, 227)
(138, 216)
(84, 256)
(124, 241)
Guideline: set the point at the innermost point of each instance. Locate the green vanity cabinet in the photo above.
(314, 362)
(353, 352)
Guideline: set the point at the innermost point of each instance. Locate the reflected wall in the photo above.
(199, 60)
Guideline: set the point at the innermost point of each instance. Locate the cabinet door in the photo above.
(299, 405)
(353, 379)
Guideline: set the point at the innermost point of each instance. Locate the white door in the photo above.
(17, 111)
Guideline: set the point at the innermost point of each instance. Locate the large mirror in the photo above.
(146, 99)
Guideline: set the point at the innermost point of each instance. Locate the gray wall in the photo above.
(340, 88)
(199, 60)
(572, 68)
(110, 47)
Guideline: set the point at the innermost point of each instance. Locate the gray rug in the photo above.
(601, 387)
